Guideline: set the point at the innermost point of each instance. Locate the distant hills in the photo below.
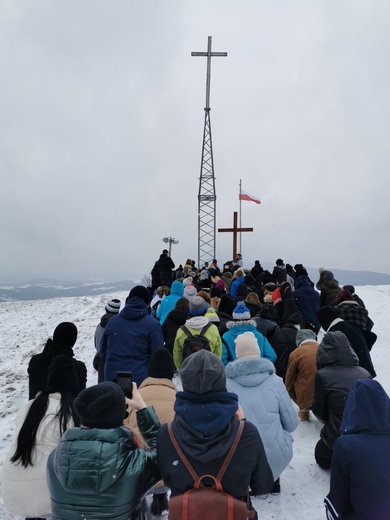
(42, 289)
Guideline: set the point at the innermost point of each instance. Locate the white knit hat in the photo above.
(247, 346)
(113, 306)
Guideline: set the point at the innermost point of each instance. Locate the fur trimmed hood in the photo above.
(240, 323)
(250, 372)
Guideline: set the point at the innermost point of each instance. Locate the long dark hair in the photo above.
(28, 432)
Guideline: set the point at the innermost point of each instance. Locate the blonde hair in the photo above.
(252, 297)
(163, 290)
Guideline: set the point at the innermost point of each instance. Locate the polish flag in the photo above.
(247, 196)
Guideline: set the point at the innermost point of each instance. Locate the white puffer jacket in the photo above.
(24, 490)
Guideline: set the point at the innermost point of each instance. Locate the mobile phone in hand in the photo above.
(125, 381)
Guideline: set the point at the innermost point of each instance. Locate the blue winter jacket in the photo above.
(266, 404)
(235, 328)
(168, 303)
(307, 300)
(360, 474)
(129, 340)
(234, 285)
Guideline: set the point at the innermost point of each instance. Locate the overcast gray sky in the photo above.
(101, 126)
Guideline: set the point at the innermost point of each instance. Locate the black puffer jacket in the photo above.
(337, 368)
(174, 320)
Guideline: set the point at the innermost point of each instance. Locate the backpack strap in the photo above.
(184, 459)
(188, 333)
(231, 451)
(205, 328)
(226, 462)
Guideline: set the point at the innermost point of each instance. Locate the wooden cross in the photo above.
(209, 55)
(235, 230)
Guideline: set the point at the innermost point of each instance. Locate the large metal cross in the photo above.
(235, 230)
(209, 55)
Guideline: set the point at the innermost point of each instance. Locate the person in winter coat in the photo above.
(225, 310)
(360, 474)
(241, 323)
(189, 289)
(284, 342)
(64, 338)
(329, 289)
(279, 273)
(360, 340)
(239, 277)
(112, 308)
(264, 401)
(97, 470)
(308, 301)
(206, 421)
(169, 302)
(301, 371)
(257, 269)
(348, 309)
(131, 337)
(337, 368)
(175, 319)
(40, 424)
(165, 264)
(159, 391)
(197, 321)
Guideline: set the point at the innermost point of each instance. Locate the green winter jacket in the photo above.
(98, 474)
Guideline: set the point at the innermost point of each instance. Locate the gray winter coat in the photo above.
(267, 405)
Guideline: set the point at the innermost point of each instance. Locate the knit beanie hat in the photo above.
(188, 281)
(62, 376)
(203, 372)
(241, 312)
(344, 296)
(304, 334)
(198, 306)
(113, 306)
(247, 346)
(329, 277)
(141, 292)
(221, 285)
(161, 364)
(101, 406)
(65, 334)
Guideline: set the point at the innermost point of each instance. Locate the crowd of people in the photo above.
(243, 345)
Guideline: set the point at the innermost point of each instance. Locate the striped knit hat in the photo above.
(241, 312)
(113, 306)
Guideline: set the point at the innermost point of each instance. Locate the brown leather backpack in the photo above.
(203, 502)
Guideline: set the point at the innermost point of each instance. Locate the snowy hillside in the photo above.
(26, 325)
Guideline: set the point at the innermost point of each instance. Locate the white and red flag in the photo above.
(243, 195)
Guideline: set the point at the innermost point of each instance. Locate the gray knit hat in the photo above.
(304, 334)
(203, 372)
(198, 306)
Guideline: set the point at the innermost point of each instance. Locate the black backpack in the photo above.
(195, 342)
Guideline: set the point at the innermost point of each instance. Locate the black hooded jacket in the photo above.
(337, 368)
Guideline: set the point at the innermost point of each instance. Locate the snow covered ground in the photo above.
(26, 325)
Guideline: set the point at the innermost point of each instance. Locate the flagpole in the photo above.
(240, 223)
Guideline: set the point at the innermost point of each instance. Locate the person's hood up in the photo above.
(177, 288)
(134, 309)
(250, 372)
(335, 350)
(302, 281)
(78, 474)
(367, 409)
